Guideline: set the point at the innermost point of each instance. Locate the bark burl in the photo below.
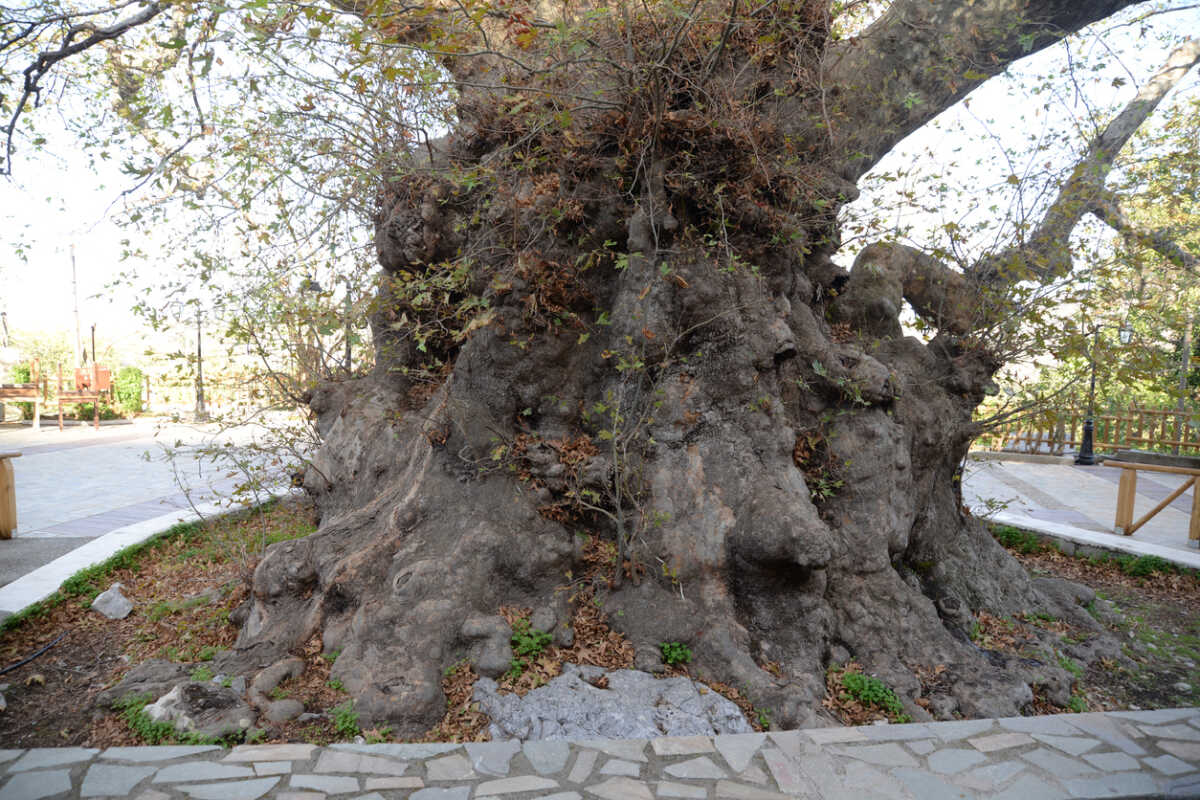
(608, 309)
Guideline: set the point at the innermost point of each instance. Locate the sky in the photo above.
(58, 199)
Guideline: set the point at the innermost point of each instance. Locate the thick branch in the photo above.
(1108, 209)
(922, 56)
(1046, 254)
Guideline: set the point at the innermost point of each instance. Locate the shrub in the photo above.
(675, 653)
(127, 389)
(21, 374)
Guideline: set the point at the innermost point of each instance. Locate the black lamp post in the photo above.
(1086, 455)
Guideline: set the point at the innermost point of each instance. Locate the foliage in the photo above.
(864, 693)
(21, 373)
(1020, 540)
(675, 653)
(345, 719)
(527, 642)
(127, 389)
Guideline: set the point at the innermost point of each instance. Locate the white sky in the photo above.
(55, 201)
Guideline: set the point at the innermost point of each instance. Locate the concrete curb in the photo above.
(1030, 458)
(1106, 542)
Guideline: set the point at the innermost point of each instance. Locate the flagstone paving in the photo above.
(1115, 754)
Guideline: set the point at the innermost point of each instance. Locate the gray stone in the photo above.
(562, 796)
(682, 745)
(1057, 765)
(583, 766)
(885, 755)
(117, 780)
(738, 748)
(787, 773)
(1169, 765)
(547, 756)
(457, 793)
(634, 705)
(1112, 762)
(1176, 731)
(35, 785)
(52, 757)
(1075, 745)
(619, 766)
(271, 752)
(1123, 784)
(523, 783)
(203, 709)
(929, 787)
(112, 603)
(834, 735)
(952, 761)
(272, 767)
(1027, 787)
(9, 755)
(492, 758)
(753, 774)
(701, 768)
(960, 729)
(394, 750)
(152, 794)
(449, 768)
(1055, 726)
(621, 789)
(1188, 751)
(300, 796)
(672, 789)
(989, 778)
(394, 783)
(159, 753)
(1184, 787)
(329, 784)
(154, 677)
(342, 761)
(201, 771)
(1107, 729)
(895, 733)
(231, 790)
(630, 749)
(728, 790)
(999, 741)
(1158, 716)
(863, 780)
(921, 747)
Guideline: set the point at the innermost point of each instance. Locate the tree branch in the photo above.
(922, 56)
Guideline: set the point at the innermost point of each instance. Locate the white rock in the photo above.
(112, 603)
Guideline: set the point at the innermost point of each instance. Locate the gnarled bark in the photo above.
(670, 361)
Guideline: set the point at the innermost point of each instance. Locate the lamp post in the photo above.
(310, 285)
(201, 411)
(1086, 455)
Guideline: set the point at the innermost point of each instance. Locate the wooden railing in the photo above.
(1166, 430)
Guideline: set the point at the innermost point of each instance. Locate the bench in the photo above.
(32, 392)
(92, 384)
(8, 496)
(1129, 462)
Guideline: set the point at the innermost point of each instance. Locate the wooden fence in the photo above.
(1166, 430)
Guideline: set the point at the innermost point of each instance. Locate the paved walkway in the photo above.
(83, 494)
(1116, 754)
(1078, 505)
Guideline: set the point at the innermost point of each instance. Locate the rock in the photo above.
(489, 641)
(154, 677)
(3, 703)
(203, 709)
(283, 710)
(112, 603)
(634, 706)
(1182, 686)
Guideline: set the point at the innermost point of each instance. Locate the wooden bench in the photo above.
(33, 392)
(1129, 462)
(8, 496)
(92, 384)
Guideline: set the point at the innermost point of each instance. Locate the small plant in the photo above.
(1077, 704)
(868, 692)
(345, 719)
(278, 693)
(255, 735)
(763, 716)
(1024, 542)
(675, 653)
(336, 684)
(332, 655)
(378, 735)
(527, 642)
(1069, 664)
(201, 674)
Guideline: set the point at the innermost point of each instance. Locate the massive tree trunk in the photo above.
(608, 309)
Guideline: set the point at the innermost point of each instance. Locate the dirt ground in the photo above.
(184, 588)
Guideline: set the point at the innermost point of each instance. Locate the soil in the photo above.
(185, 587)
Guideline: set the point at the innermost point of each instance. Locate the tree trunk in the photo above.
(626, 325)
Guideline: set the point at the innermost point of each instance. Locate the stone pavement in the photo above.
(84, 494)
(1078, 505)
(1115, 754)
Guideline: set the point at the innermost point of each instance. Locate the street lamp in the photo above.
(310, 285)
(1086, 456)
